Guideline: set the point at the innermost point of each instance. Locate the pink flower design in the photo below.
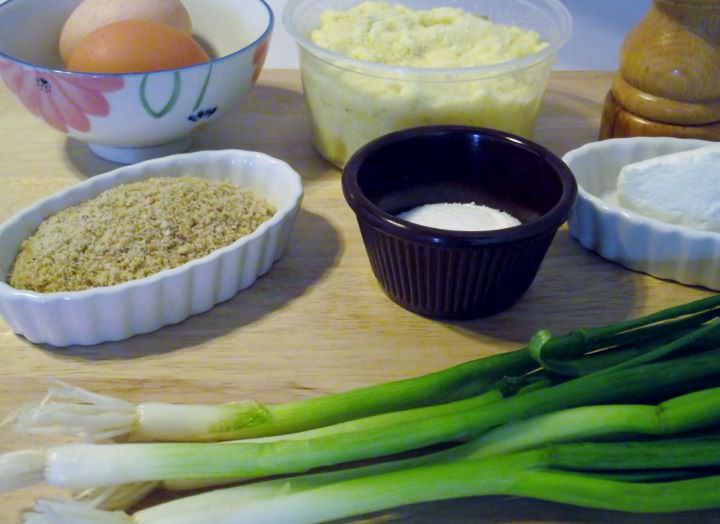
(63, 101)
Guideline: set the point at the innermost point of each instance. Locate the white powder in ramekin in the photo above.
(460, 217)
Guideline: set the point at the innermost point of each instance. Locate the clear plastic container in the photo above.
(352, 102)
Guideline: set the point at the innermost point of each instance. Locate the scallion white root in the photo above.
(69, 410)
(70, 512)
(73, 411)
(113, 498)
(19, 469)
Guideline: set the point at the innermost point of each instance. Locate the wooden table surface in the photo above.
(318, 322)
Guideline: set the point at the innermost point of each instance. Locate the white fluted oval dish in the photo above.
(140, 306)
(679, 253)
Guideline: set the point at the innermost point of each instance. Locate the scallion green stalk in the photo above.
(672, 454)
(536, 474)
(73, 411)
(82, 466)
(694, 411)
(550, 352)
(613, 363)
(691, 412)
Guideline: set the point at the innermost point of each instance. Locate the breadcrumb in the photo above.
(135, 230)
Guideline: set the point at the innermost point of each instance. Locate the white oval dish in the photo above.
(686, 255)
(170, 296)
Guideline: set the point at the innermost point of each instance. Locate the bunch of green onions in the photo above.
(620, 417)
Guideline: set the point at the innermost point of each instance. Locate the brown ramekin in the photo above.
(453, 274)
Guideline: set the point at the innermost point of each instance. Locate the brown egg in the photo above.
(94, 14)
(132, 46)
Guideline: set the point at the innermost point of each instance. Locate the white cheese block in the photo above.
(681, 188)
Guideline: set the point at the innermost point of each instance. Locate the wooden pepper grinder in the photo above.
(669, 78)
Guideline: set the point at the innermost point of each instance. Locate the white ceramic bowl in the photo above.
(140, 306)
(669, 251)
(131, 117)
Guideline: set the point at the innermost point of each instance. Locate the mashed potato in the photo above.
(352, 105)
(441, 37)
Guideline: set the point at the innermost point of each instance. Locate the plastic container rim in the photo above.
(564, 24)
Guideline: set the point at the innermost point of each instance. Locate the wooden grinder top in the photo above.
(669, 77)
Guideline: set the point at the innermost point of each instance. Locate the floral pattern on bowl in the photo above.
(63, 101)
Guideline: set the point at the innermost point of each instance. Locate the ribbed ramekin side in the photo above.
(453, 282)
(637, 242)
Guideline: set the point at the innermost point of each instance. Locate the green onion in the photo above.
(82, 466)
(632, 331)
(670, 454)
(74, 411)
(655, 342)
(662, 475)
(536, 474)
(511, 428)
(679, 344)
(69, 410)
(690, 412)
(694, 411)
(125, 495)
(385, 420)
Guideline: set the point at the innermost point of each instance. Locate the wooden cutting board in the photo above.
(318, 322)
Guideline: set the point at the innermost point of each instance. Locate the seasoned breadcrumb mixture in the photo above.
(135, 230)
